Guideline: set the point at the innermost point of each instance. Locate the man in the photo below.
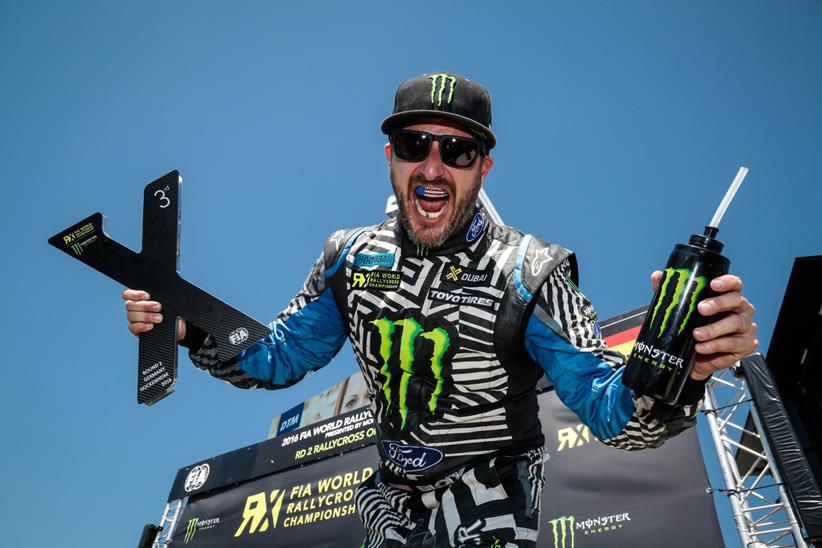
(453, 320)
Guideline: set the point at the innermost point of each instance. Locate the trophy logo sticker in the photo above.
(238, 336)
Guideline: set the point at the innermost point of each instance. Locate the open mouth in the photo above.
(431, 201)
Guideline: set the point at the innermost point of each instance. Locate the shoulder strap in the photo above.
(336, 248)
(535, 261)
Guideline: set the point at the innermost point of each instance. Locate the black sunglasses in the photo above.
(414, 146)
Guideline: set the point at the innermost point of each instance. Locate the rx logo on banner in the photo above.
(573, 436)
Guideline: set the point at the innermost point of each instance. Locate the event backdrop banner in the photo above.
(598, 496)
(595, 496)
(312, 506)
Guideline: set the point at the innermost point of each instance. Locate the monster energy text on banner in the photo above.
(196, 525)
(564, 528)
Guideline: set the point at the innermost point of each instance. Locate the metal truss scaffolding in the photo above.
(168, 523)
(758, 498)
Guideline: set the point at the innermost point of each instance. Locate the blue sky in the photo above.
(619, 126)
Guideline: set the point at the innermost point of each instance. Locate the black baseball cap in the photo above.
(444, 96)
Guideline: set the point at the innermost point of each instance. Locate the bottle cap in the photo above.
(707, 240)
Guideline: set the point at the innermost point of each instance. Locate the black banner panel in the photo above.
(312, 506)
(598, 496)
(790, 459)
(595, 495)
(316, 442)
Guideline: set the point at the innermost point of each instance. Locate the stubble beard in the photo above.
(461, 211)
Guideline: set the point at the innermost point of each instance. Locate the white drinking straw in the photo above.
(726, 201)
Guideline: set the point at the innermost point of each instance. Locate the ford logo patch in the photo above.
(412, 458)
(476, 227)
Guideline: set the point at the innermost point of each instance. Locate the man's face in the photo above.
(448, 193)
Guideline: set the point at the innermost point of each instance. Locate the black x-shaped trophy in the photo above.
(155, 270)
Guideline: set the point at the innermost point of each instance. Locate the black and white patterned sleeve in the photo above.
(305, 337)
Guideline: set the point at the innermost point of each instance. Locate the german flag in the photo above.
(620, 332)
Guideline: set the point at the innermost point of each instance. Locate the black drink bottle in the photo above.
(663, 355)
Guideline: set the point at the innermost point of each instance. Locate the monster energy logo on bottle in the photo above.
(410, 330)
(563, 528)
(683, 275)
(191, 529)
(438, 84)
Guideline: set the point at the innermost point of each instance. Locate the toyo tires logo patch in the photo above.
(412, 458)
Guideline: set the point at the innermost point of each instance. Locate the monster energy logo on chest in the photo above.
(410, 330)
(439, 83)
(683, 275)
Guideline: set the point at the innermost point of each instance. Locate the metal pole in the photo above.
(489, 208)
(709, 406)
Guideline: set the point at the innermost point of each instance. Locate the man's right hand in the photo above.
(142, 313)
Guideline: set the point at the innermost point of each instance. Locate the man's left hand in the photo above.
(728, 339)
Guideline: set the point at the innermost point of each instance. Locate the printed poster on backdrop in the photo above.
(595, 495)
(347, 395)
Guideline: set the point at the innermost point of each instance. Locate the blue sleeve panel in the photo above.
(306, 340)
(590, 387)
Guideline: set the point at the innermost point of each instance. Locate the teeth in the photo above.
(429, 214)
(431, 192)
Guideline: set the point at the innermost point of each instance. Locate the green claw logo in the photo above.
(438, 84)
(191, 529)
(563, 530)
(411, 329)
(682, 277)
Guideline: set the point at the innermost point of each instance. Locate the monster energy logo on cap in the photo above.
(434, 96)
(563, 530)
(439, 83)
(683, 276)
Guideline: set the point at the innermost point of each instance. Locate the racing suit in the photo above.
(452, 342)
